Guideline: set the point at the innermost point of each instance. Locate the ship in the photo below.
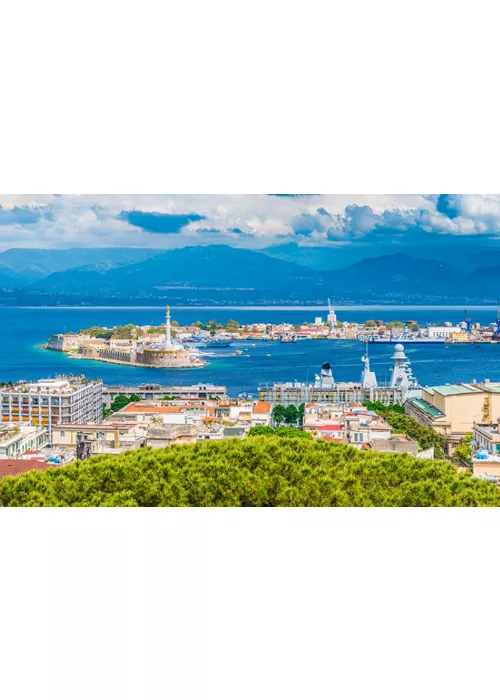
(401, 386)
(405, 336)
(288, 338)
(216, 341)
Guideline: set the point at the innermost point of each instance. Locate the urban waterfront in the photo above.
(260, 362)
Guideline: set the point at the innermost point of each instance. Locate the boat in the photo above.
(288, 338)
(217, 341)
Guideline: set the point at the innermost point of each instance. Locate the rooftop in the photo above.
(427, 407)
(13, 467)
(262, 407)
(455, 389)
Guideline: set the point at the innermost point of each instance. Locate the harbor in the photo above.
(244, 365)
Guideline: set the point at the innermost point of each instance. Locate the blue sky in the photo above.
(354, 225)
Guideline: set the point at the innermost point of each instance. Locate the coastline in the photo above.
(106, 360)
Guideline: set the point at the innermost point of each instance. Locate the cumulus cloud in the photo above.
(65, 221)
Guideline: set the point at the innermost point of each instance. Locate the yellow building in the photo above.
(452, 409)
(460, 337)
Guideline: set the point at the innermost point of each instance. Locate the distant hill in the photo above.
(315, 257)
(398, 276)
(197, 268)
(29, 264)
(219, 274)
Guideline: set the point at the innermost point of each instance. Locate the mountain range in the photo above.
(219, 274)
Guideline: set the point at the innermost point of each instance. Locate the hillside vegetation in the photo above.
(258, 471)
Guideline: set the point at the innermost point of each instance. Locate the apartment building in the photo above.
(16, 440)
(156, 392)
(453, 409)
(50, 402)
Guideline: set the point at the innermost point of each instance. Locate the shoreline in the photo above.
(118, 362)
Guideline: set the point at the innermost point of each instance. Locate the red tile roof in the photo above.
(13, 467)
(262, 407)
(331, 426)
(140, 408)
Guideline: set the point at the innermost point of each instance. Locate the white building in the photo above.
(50, 402)
(15, 440)
(443, 331)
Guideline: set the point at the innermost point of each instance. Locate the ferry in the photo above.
(288, 338)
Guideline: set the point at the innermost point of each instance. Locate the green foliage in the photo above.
(464, 450)
(279, 414)
(232, 326)
(395, 324)
(261, 471)
(400, 422)
(120, 402)
(292, 415)
(370, 324)
(381, 408)
(302, 409)
(283, 431)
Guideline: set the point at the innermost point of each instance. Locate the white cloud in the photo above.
(247, 220)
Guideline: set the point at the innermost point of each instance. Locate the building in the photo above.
(104, 437)
(325, 389)
(198, 393)
(14, 467)
(443, 331)
(16, 440)
(167, 435)
(486, 450)
(50, 402)
(453, 409)
(167, 354)
(64, 342)
(356, 426)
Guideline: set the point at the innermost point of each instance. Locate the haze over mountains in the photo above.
(219, 274)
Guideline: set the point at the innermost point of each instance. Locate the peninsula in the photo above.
(152, 349)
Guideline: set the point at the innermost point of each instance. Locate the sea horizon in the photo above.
(343, 307)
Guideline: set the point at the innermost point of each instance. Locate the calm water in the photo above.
(23, 329)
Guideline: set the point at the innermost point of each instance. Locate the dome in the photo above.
(399, 348)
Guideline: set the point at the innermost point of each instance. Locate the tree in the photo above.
(232, 326)
(120, 402)
(213, 326)
(370, 324)
(279, 414)
(463, 451)
(302, 410)
(262, 471)
(291, 415)
(266, 430)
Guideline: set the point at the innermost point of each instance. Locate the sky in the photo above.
(354, 226)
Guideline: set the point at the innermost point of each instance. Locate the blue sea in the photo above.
(24, 329)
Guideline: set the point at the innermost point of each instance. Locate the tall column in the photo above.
(168, 339)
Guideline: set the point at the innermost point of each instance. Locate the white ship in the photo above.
(404, 337)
